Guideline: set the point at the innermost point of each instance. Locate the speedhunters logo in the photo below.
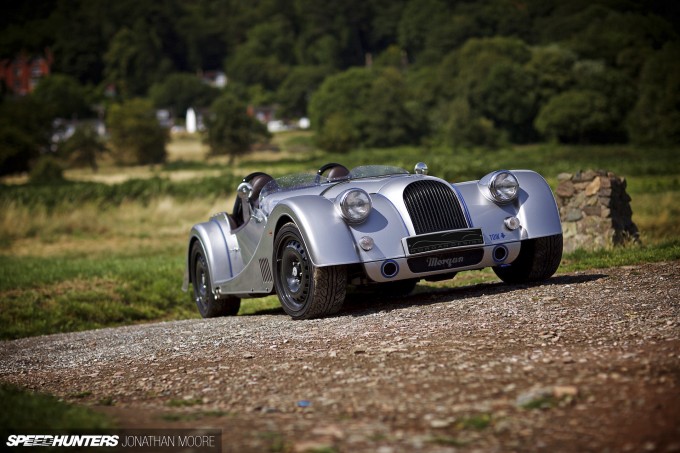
(133, 440)
(47, 440)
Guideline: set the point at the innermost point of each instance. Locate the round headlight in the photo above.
(504, 187)
(355, 205)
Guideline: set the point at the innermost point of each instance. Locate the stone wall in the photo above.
(595, 210)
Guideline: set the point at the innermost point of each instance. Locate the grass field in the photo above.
(108, 249)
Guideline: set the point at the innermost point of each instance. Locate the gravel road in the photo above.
(588, 361)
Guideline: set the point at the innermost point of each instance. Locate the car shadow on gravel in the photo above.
(363, 305)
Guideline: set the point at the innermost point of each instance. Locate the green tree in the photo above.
(344, 98)
(84, 147)
(180, 91)
(655, 119)
(464, 69)
(230, 130)
(392, 57)
(62, 97)
(297, 88)
(47, 170)
(211, 29)
(552, 69)
(462, 127)
(366, 107)
(575, 116)
(265, 57)
(333, 34)
(135, 60)
(25, 133)
(489, 74)
(339, 134)
(507, 95)
(389, 118)
(418, 18)
(136, 135)
(615, 86)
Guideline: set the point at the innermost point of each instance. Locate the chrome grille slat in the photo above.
(433, 206)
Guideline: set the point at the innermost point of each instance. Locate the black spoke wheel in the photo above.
(538, 260)
(208, 305)
(304, 290)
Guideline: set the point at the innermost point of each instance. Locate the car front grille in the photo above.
(433, 206)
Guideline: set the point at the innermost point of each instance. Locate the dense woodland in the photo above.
(369, 73)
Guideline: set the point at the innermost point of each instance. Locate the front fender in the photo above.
(326, 235)
(535, 207)
(538, 212)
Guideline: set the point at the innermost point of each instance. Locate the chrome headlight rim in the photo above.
(354, 205)
(501, 186)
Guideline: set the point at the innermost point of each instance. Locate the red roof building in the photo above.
(22, 74)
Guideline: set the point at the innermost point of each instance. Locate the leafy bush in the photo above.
(655, 118)
(464, 128)
(180, 91)
(390, 120)
(575, 116)
(298, 87)
(25, 132)
(62, 96)
(47, 170)
(338, 134)
(341, 97)
(83, 147)
(136, 135)
(365, 107)
(230, 130)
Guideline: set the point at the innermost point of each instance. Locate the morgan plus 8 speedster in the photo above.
(306, 237)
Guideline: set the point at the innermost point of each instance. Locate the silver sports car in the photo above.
(307, 237)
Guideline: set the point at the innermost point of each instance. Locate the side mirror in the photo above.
(244, 191)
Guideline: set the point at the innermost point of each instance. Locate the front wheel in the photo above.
(305, 291)
(208, 306)
(538, 260)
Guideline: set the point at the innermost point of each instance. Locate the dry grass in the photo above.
(656, 215)
(130, 229)
(186, 147)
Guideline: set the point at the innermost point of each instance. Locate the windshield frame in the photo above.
(299, 181)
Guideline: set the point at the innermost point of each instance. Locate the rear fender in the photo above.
(213, 237)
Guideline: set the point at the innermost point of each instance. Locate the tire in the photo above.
(208, 306)
(538, 260)
(305, 291)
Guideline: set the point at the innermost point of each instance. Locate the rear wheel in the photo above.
(305, 291)
(538, 260)
(208, 306)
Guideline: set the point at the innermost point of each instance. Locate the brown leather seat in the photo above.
(338, 172)
(257, 180)
(258, 183)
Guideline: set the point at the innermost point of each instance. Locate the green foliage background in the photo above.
(368, 72)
